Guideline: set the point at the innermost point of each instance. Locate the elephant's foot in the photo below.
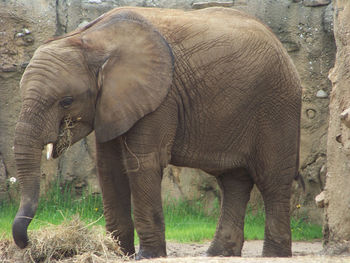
(125, 242)
(224, 249)
(151, 253)
(273, 249)
(129, 252)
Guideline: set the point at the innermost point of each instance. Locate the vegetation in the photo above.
(185, 221)
(54, 207)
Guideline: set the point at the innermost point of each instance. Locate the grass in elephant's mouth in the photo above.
(65, 135)
(185, 221)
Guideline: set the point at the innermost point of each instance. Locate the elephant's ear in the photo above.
(135, 75)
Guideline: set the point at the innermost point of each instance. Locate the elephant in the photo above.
(212, 89)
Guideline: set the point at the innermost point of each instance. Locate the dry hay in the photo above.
(6, 250)
(72, 241)
(65, 135)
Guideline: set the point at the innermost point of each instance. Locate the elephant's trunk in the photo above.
(28, 150)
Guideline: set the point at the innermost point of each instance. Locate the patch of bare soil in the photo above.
(303, 252)
(250, 249)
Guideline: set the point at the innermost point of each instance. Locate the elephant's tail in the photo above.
(300, 180)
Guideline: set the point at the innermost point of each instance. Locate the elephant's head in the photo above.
(103, 77)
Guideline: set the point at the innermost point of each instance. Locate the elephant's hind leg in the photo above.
(275, 189)
(235, 193)
(277, 241)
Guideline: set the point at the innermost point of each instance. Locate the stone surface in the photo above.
(24, 25)
(316, 2)
(4, 180)
(319, 199)
(345, 117)
(201, 5)
(192, 185)
(321, 94)
(337, 194)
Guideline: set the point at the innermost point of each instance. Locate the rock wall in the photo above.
(337, 194)
(24, 25)
(304, 27)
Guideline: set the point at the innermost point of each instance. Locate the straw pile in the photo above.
(72, 241)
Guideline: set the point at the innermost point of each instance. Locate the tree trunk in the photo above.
(337, 194)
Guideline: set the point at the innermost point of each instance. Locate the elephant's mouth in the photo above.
(64, 140)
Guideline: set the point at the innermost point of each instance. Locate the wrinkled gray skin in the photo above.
(210, 89)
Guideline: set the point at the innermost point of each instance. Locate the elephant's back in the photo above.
(211, 21)
(223, 45)
(211, 33)
(205, 35)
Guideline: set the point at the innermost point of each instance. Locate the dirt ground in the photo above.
(250, 249)
(303, 252)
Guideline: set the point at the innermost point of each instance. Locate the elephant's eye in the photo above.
(66, 102)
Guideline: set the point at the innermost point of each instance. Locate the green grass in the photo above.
(185, 221)
(55, 206)
(302, 230)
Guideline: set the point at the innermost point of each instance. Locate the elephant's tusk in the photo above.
(49, 149)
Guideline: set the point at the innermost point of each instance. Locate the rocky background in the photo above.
(304, 27)
(336, 197)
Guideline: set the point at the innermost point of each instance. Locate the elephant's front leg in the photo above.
(116, 194)
(145, 182)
